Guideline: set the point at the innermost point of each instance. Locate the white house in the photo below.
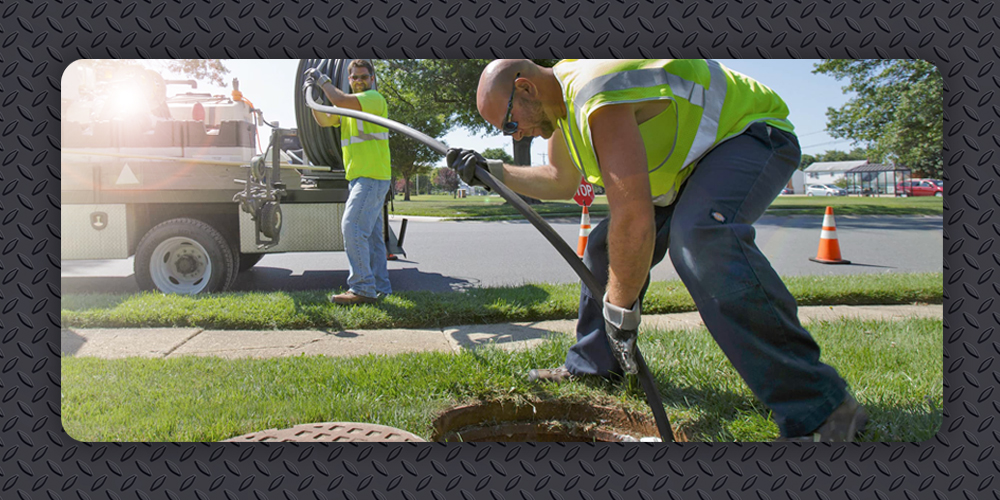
(829, 172)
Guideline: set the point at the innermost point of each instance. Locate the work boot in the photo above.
(842, 425)
(555, 375)
(350, 298)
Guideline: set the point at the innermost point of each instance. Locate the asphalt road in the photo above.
(444, 256)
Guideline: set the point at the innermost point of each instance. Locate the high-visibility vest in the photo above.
(709, 104)
(366, 145)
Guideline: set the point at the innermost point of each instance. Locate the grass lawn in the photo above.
(495, 208)
(895, 369)
(535, 302)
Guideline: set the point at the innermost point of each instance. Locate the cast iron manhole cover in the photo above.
(331, 432)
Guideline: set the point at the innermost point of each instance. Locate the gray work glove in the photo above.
(465, 161)
(622, 327)
(312, 76)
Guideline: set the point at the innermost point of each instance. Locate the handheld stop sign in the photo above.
(584, 194)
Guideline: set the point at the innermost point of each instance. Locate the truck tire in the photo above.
(184, 256)
(248, 260)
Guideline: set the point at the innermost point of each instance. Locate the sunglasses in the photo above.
(509, 127)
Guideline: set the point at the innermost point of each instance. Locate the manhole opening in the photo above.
(545, 421)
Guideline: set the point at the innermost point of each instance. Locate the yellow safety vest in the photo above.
(709, 105)
(366, 145)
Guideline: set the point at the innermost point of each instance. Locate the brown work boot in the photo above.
(350, 298)
(842, 425)
(555, 375)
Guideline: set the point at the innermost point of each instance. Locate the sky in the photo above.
(270, 85)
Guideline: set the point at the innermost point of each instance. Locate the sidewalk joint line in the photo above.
(181, 343)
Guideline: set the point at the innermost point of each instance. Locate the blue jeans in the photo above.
(744, 304)
(364, 241)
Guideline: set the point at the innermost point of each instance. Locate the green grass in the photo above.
(895, 369)
(854, 205)
(534, 302)
(495, 208)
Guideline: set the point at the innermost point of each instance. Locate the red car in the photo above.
(920, 187)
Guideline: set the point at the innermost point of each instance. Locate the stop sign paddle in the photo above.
(584, 194)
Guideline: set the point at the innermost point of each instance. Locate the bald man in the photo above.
(690, 154)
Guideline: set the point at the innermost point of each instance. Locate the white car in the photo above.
(825, 190)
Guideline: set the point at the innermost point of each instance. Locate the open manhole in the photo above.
(543, 421)
(330, 432)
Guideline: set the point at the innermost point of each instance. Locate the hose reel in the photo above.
(321, 144)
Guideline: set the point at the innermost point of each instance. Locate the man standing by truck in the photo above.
(366, 162)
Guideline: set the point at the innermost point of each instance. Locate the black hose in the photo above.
(320, 144)
(597, 290)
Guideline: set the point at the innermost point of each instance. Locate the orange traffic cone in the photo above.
(584, 232)
(829, 247)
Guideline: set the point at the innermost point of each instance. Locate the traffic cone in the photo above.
(829, 247)
(584, 232)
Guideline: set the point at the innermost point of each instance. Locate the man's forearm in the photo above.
(630, 252)
(543, 182)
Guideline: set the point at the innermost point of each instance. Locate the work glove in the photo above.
(622, 327)
(313, 76)
(465, 161)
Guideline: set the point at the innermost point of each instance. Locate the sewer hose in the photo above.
(645, 377)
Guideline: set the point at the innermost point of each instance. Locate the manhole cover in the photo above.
(330, 432)
(543, 421)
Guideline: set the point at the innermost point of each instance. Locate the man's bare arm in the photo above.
(326, 119)
(631, 234)
(558, 180)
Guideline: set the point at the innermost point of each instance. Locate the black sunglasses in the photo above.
(509, 127)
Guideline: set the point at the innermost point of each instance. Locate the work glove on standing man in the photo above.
(464, 162)
(313, 76)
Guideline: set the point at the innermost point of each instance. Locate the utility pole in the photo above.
(545, 157)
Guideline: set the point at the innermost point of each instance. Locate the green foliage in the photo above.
(498, 154)
(411, 104)
(897, 112)
(833, 155)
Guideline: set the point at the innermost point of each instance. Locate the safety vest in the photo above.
(365, 144)
(709, 105)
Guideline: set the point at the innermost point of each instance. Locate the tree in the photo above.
(200, 69)
(449, 86)
(446, 179)
(498, 154)
(410, 105)
(833, 155)
(897, 112)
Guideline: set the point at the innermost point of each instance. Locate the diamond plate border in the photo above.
(39, 39)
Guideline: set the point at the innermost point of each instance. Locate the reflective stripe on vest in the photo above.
(362, 137)
(711, 101)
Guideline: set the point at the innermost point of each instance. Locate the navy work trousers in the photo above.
(745, 306)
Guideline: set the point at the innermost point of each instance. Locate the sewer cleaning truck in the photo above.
(196, 187)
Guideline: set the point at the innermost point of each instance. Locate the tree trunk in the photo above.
(406, 189)
(522, 156)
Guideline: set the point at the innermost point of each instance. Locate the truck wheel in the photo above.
(248, 260)
(184, 256)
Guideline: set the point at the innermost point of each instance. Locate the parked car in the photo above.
(787, 191)
(825, 190)
(920, 187)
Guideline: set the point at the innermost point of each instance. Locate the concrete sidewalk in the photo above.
(176, 342)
